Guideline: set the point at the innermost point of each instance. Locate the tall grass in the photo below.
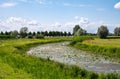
(80, 39)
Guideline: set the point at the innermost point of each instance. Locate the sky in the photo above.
(59, 15)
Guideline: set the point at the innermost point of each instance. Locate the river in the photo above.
(62, 53)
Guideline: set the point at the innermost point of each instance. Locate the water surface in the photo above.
(60, 52)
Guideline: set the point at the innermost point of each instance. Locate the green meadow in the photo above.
(16, 64)
(109, 47)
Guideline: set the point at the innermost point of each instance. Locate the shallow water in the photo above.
(60, 52)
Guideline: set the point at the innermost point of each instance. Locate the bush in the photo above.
(80, 39)
(94, 76)
(39, 36)
(6, 37)
(110, 76)
(30, 36)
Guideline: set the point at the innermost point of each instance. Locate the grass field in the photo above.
(16, 64)
(104, 42)
(109, 47)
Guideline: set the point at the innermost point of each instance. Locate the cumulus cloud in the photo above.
(83, 20)
(57, 24)
(15, 23)
(117, 5)
(8, 4)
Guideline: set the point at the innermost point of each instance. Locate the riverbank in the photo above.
(16, 64)
(106, 47)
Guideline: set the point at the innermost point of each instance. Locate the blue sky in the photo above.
(59, 15)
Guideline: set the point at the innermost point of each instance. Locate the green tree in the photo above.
(102, 31)
(75, 29)
(30, 35)
(38, 32)
(69, 34)
(65, 33)
(33, 33)
(23, 32)
(117, 31)
(14, 33)
(80, 32)
(2, 33)
(46, 33)
(6, 33)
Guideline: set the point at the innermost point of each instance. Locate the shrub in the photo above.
(94, 76)
(6, 37)
(39, 36)
(30, 36)
(80, 39)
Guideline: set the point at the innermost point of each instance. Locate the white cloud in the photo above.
(16, 20)
(70, 24)
(8, 4)
(76, 17)
(117, 5)
(33, 22)
(76, 5)
(15, 23)
(57, 24)
(83, 20)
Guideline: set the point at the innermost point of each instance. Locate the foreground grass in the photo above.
(15, 64)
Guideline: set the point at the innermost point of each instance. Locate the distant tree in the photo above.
(46, 33)
(80, 32)
(23, 32)
(33, 33)
(65, 33)
(61, 33)
(30, 33)
(75, 29)
(69, 34)
(14, 33)
(6, 33)
(117, 31)
(50, 33)
(2, 33)
(42, 32)
(102, 31)
(38, 32)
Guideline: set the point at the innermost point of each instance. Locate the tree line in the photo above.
(24, 33)
(102, 31)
